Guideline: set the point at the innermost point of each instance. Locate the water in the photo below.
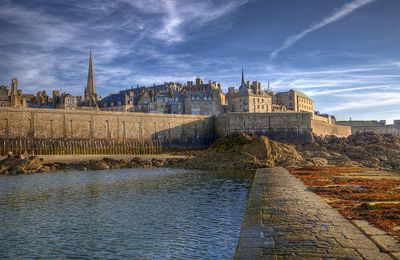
(132, 213)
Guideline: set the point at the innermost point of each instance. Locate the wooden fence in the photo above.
(37, 146)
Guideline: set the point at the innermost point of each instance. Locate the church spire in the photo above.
(90, 91)
(243, 82)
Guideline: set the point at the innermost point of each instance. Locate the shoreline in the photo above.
(82, 158)
(16, 165)
(98, 157)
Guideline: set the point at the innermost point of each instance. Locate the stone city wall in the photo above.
(322, 128)
(290, 127)
(385, 129)
(378, 127)
(92, 125)
(184, 130)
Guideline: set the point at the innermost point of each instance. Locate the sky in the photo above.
(345, 54)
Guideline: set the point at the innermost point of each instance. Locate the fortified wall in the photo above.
(81, 124)
(171, 129)
(294, 127)
(379, 127)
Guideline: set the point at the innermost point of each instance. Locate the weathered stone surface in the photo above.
(373, 255)
(300, 224)
(387, 243)
(242, 151)
(367, 228)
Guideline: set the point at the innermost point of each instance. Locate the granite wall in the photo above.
(289, 127)
(82, 124)
(183, 130)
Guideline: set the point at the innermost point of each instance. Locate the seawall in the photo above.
(323, 128)
(102, 125)
(371, 126)
(169, 129)
(296, 127)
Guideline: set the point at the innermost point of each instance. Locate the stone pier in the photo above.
(286, 221)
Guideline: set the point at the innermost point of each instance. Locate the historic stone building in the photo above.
(294, 100)
(13, 98)
(203, 99)
(116, 102)
(249, 98)
(67, 101)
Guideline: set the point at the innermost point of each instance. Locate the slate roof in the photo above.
(114, 98)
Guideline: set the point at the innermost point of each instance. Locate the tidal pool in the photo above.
(130, 213)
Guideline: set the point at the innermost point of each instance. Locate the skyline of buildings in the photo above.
(196, 98)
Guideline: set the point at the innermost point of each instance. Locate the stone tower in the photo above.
(14, 93)
(90, 90)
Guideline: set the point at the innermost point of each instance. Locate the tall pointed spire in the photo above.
(91, 85)
(90, 90)
(243, 82)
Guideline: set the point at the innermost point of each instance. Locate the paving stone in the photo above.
(373, 255)
(367, 228)
(388, 243)
(298, 224)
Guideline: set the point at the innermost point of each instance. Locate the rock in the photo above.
(242, 151)
(97, 165)
(318, 161)
(363, 149)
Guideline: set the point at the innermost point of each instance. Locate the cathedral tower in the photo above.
(90, 90)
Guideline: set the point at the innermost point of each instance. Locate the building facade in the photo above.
(13, 98)
(294, 100)
(203, 99)
(249, 98)
(116, 102)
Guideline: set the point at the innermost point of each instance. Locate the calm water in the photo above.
(133, 213)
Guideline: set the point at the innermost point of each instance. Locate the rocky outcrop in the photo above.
(241, 151)
(361, 149)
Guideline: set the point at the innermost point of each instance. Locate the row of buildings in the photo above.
(197, 97)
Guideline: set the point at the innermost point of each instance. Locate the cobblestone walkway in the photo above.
(285, 221)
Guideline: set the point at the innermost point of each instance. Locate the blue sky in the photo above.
(345, 54)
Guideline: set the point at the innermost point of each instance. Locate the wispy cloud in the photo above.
(336, 16)
(357, 101)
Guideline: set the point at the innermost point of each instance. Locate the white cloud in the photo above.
(366, 101)
(336, 16)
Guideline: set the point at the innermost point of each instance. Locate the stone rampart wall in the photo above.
(188, 130)
(385, 129)
(290, 127)
(323, 128)
(80, 124)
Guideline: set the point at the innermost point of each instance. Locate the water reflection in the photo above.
(147, 213)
